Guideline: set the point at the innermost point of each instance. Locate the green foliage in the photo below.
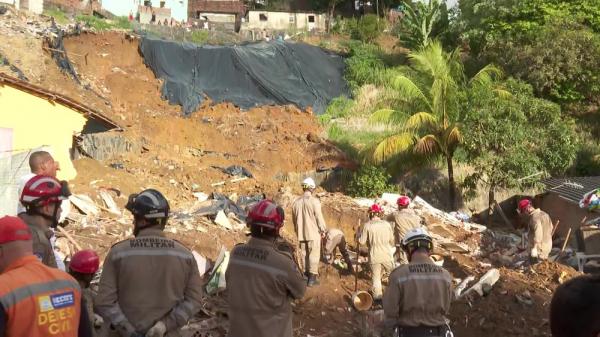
(198, 36)
(58, 15)
(588, 160)
(339, 107)
(122, 22)
(367, 28)
(513, 137)
(369, 182)
(100, 24)
(562, 61)
(552, 44)
(364, 65)
(417, 27)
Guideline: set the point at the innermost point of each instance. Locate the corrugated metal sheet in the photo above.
(572, 189)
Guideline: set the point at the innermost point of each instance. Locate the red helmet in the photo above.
(43, 190)
(12, 229)
(375, 209)
(403, 201)
(266, 213)
(523, 204)
(85, 262)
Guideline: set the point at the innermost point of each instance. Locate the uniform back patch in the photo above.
(63, 300)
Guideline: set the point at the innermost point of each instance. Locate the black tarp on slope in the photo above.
(249, 75)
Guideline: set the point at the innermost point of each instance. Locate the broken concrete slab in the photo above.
(485, 282)
(110, 203)
(85, 204)
(455, 247)
(222, 220)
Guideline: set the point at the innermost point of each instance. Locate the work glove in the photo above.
(158, 330)
(98, 320)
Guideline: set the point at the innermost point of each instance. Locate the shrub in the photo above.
(58, 15)
(364, 66)
(198, 36)
(367, 28)
(338, 108)
(369, 181)
(94, 22)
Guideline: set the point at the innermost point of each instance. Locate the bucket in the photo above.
(362, 300)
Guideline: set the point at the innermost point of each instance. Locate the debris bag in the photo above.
(217, 282)
(236, 170)
(59, 54)
(249, 75)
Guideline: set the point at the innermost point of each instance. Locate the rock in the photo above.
(314, 138)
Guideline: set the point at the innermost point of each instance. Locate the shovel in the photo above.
(361, 300)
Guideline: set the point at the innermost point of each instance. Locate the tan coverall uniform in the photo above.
(332, 240)
(309, 224)
(378, 236)
(261, 282)
(147, 279)
(404, 220)
(540, 233)
(418, 298)
(40, 236)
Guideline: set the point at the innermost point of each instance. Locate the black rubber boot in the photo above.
(312, 280)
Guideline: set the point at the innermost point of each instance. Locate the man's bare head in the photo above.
(42, 163)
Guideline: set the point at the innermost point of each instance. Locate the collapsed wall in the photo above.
(265, 73)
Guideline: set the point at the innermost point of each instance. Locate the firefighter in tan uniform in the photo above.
(405, 219)
(377, 234)
(334, 238)
(150, 285)
(419, 294)
(263, 278)
(310, 228)
(540, 230)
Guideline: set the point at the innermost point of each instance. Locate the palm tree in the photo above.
(428, 123)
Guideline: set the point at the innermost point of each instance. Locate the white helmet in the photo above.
(309, 183)
(416, 234)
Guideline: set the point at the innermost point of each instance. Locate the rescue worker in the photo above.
(83, 267)
(420, 292)
(310, 227)
(334, 238)
(35, 300)
(377, 234)
(42, 196)
(150, 285)
(540, 230)
(405, 219)
(575, 308)
(263, 278)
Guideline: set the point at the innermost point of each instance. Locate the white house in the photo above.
(284, 20)
(35, 6)
(179, 8)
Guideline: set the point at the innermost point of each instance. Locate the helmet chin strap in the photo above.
(53, 218)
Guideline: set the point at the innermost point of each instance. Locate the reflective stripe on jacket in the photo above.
(39, 301)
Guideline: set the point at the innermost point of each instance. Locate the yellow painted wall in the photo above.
(37, 122)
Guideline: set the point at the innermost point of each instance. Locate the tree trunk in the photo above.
(451, 183)
(491, 198)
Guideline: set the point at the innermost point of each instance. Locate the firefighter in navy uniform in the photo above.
(263, 278)
(150, 285)
(419, 293)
